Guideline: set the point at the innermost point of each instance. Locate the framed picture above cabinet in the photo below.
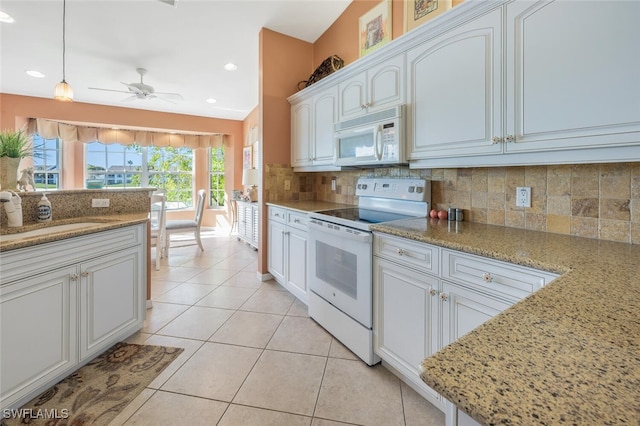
(417, 12)
(375, 28)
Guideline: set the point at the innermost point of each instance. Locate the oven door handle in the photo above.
(363, 237)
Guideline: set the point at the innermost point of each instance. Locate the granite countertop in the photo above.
(99, 223)
(309, 206)
(569, 353)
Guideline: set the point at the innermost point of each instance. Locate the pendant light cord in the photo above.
(64, 43)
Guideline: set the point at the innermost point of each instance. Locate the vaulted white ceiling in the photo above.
(183, 48)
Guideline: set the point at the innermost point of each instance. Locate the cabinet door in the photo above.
(405, 328)
(38, 329)
(242, 220)
(386, 84)
(255, 222)
(276, 252)
(454, 91)
(324, 116)
(301, 126)
(464, 309)
(112, 299)
(353, 96)
(572, 74)
(296, 264)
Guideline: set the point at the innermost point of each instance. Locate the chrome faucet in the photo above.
(13, 206)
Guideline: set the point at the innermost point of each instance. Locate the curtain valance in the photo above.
(50, 129)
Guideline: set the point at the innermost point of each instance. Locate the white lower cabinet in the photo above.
(426, 297)
(111, 294)
(287, 256)
(63, 303)
(405, 318)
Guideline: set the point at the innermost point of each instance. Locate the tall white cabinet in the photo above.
(72, 298)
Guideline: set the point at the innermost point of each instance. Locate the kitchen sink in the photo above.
(49, 230)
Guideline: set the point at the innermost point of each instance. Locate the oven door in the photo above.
(340, 268)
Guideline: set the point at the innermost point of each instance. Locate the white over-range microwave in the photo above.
(375, 139)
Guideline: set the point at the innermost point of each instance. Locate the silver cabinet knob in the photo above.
(401, 252)
(496, 140)
(85, 273)
(487, 277)
(510, 138)
(444, 297)
(433, 291)
(74, 277)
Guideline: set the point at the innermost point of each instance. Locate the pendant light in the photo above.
(62, 91)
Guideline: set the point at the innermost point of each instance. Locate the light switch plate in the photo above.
(523, 196)
(333, 184)
(287, 185)
(99, 202)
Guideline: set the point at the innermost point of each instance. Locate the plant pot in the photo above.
(9, 173)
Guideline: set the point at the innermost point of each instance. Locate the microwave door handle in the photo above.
(378, 141)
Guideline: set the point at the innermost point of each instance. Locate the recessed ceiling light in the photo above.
(211, 101)
(230, 67)
(34, 73)
(5, 17)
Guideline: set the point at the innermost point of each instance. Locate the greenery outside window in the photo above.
(46, 163)
(216, 177)
(127, 166)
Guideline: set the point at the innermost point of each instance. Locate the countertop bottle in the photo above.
(44, 209)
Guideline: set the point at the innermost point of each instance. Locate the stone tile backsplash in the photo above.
(589, 200)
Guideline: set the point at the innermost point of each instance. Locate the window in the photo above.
(127, 166)
(46, 163)
(216, 177)
(171, 169)
(118, 166)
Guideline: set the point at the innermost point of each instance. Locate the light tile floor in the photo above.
(252, 354)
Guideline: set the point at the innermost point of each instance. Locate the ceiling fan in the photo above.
(143, 91)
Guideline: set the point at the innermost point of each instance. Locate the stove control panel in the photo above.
(395, 188)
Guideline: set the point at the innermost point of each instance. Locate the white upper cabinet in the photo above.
(454, 91)
(379, 87)
(312, 122)
(573, 74)
(563, 80)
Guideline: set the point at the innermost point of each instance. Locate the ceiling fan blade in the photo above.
(174, 96)
(130, 98)
(165, 99)
(108, 90)
(132, 88)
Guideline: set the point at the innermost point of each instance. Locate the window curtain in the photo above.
(50, 129)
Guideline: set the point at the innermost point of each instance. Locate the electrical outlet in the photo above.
(287, 185)
(523, 196)
(333, 184)
(99, 202)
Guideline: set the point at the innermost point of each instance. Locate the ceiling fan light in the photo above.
(63, 92)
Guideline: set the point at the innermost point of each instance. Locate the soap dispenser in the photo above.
(44, 209)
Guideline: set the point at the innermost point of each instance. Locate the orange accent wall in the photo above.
(15, 110)
(283, 62)
(341, 38)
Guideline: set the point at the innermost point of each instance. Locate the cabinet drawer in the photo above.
(493, 276)
(278, 214)
(417, 255)
(297, 220)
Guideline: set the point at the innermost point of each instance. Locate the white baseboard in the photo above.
(264, 277)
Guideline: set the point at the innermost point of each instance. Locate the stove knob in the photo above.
(412, 189)
(419, 189)
(364, 186)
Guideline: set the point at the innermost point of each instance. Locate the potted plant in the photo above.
(14, 146)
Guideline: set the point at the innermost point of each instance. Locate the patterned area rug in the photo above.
(97, 392)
